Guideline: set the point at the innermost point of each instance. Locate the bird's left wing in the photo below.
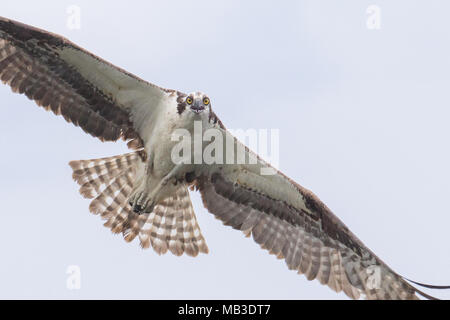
(104, 100)
(292, 223)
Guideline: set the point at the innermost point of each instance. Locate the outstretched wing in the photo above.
(105, 101)
(293, 224)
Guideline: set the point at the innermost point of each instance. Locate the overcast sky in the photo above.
(364, 123)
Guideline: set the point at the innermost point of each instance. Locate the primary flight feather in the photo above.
(144, 194)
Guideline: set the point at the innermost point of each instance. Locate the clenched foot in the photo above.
(141, 203)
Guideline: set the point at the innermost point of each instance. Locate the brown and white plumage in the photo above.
(131, 193)
(311, 240)
(105, 101)
(171, 226)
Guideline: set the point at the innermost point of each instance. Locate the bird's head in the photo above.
(196, 102)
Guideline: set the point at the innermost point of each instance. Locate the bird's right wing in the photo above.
(105, 101)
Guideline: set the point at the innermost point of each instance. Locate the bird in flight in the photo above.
(144, 194)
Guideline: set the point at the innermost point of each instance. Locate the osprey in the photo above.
(145, 195)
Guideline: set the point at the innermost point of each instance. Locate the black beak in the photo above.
(197, 107)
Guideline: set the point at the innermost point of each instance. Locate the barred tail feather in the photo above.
(172, 226)
(95, 175)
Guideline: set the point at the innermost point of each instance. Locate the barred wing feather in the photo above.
(104, 100)
(293, 224)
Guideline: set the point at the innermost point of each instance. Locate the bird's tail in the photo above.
(171, 225)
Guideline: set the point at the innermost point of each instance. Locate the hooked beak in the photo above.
(197, 107)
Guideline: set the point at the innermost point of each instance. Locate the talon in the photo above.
(137, 209)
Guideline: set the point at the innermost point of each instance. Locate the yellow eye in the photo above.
(206, 101)
(189, 100)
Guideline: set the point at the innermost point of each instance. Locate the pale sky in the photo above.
(363, 118)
